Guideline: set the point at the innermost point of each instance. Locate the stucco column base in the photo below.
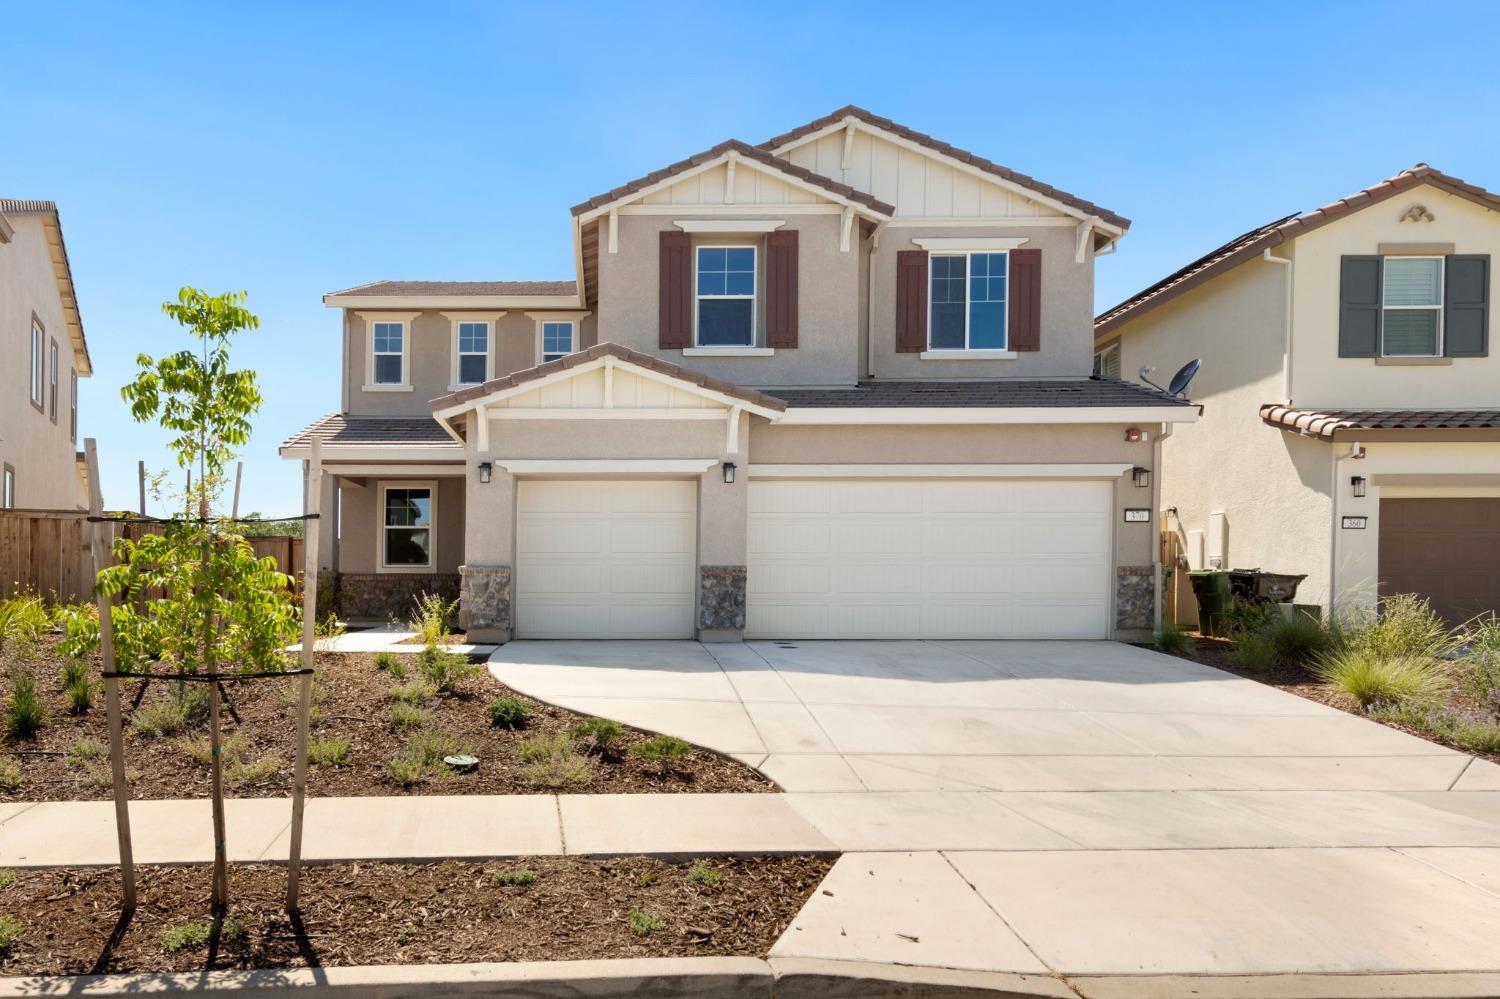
(484, 601)
(720, 635)
(487, 636)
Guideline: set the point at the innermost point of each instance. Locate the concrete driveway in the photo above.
(1077, 808)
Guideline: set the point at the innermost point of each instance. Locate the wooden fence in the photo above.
(48, 552)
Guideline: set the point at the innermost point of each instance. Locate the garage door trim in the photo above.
(970, 470)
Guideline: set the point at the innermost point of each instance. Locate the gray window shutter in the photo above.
(1359, 306)
(1466, 306)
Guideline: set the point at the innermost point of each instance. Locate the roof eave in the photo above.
(339, 300)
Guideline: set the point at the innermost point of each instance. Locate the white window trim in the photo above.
(971, 244)
(575, 317)
(387, 484)
(728, 225)
(728, 351)
(73, 405)
(1105, 350)
(955, 353)
(52, 379)
(1438, 308)
(8, 488)
(405, 319)
(491, 321)
(37, 388)
(754, 292)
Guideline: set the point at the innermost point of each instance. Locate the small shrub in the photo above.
(551, 761)
(10, 932)
(642, 922)
(188, 936)
(446, 670)
(404, 771)
(1480, 671)
(10, 773)
(423, 755)
(414, 691)
(7, 878)
(1253, 651)
(185, 708)
(1170, 639)
(1296, 638)
(290, 697)
(24, 618)
(200, 749)
(406, 934)
(539, 747)
(507, 712)
(433, 618)
(519, 878)
(328, 752)
(77, 685)
(85, 749)
(664, 750)
(702, 875)
(1406, 625)
(1244, 616)
(645, 879)
(605, 733)
(326, 632)
(239, 772)
(25, 714)
(404, 715)
(389, 662)
(1434, 720)
(1374, 679)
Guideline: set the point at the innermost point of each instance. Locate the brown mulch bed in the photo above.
(371, 913)
(351, 703)
(1299, 680)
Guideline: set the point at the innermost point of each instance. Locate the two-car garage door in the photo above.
(828, 558)
(929, 558)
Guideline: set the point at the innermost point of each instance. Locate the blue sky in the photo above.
(295, 149)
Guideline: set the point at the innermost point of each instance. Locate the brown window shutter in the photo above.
(1025, 293)
(911, 301)
(781, 288)
(675, 303)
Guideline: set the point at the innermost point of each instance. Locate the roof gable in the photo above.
(62, 270)
(832, 145)
(1257, 241)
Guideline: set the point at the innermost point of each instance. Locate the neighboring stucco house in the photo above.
(1351, 426)
(41, 336)
(834, 385)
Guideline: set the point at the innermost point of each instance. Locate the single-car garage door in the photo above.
(1447, 550)
(929, 558)
(605, 559)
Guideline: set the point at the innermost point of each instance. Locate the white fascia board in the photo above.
(959, 471)
(729, 225)
(941, 243)
(607, 466)
(838, 416)
(457, 302)
(335, 453)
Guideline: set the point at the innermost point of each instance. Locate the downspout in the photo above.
(344, 375)
(870, 301)
(1156, 600)
(1286, 347)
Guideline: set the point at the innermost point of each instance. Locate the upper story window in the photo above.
(37, 369)
(52, 380)
(1107, 362)
(1412, 304)
(558, 340)
(967, 297)
(725, 296)
(8, 489)
(473, 352)
(388, 354)
(73, 405)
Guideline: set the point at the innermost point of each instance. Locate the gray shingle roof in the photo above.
(395, 288)
(343, 430)
(1092, 392)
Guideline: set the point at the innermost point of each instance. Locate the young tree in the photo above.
(221, 606)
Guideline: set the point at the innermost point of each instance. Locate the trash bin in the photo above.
(1211, 588)
(1255, 586)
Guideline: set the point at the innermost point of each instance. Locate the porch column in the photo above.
(723, 524)
(328, 524)
(485, 587)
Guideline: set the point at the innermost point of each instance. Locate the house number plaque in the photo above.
(1137, 516)
(1355, 523)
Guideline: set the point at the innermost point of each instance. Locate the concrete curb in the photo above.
(1424, 985)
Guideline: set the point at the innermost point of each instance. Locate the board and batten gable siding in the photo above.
(38, 448)
(513, 348)
(1332, 372)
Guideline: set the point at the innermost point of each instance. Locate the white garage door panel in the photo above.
(605, 559)
(993, 558)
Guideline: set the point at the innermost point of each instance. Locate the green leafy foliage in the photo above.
(406, 715)
(10, 932)
(1480, 669)
(7, 878)
(642, 922)
(84, 750)
(414, 691)
(11, 776)
(192, 936)
(702, 875)
(25, 714)
(332, 752)
(446, 670)
(1405, 625)
(183, 708)
(1469, 734)
(24, 618)
(422, 756)
(1170, 639)
(549, 760)
(605, 734)
(1375, 678)
(664, 750)
(507, 712)
(433, 618)
(390, 662)
(77, 685)
(519, 878)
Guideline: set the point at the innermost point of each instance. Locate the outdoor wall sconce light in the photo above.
(1357, 485)
(485, 468)
(729, 472)
(1140, 476)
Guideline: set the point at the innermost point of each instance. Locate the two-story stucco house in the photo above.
(41, 336)
(1351, 429)
(834, 385)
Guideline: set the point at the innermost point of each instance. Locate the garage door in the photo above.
(605, 559)
(952, 558)
(1445, 549)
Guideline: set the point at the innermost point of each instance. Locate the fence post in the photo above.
(304, 703)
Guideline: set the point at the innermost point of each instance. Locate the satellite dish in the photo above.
(1179, 384)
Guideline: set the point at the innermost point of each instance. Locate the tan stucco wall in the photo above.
(513, 347)
(1058, 443)
(828, 324)
(359, 523)
(1272, 487)
(38, 449)
(1067, 308)
(1320, 378)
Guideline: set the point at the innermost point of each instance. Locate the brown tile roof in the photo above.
(1326, 424)
(343, 430)
(938, 146)
(750, 152)
(26, 206)
(1028, 393)
(517, 378)
(1255, 241)
(395, 288)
